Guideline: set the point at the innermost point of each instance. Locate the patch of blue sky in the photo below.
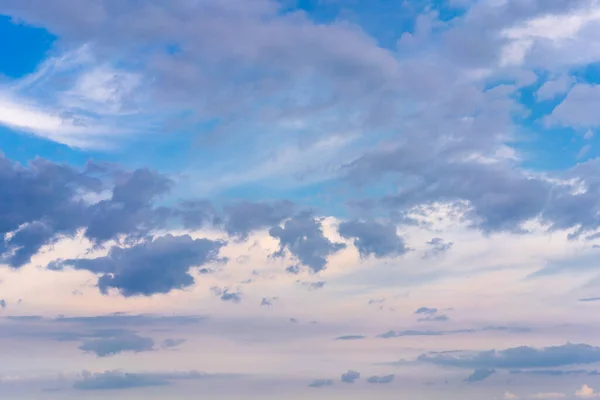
(27, 46)
(548, 147)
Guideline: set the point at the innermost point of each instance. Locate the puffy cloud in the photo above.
(303, 236)
(586, 392)
(518, 357)
(350, 376)
(373, 238)
(438, 246)
(151, 267)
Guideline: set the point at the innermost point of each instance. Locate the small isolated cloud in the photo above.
(350, 337)
(381, 379)
(124, 342)
(268, 301)
(3, 304)
(426, 310)
(227, 294)
(586, 392)
(373, 238)
(434, 318)
(171, 343)
(589, 299)
(437, 246)
(350, 376)
(510, 396)
(480, 375)
(317, 383)
(518, 357)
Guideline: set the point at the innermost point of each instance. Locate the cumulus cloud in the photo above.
(245, 217)
(154, 266)
(373, 238)
(303, 237)
(586, 392)
(350, 376)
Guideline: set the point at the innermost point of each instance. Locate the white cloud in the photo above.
(586, 392)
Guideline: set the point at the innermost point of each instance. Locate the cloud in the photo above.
(268, 301)
(426, 310)
(227, 294)
(434, 318)
(480, 375)
(586, 392)
(303, 236)
(510, 396)
(350, 376)
(411, 332)
(551, 89)
(116, 380)
(245, 217)
(313, 285)
(373, 238)
(317, 383)
(350, 337)
(152, 267)
(437, 247)
(171, 343)
(109, 346)
(3, 304)
(518, 357)
(381, 379)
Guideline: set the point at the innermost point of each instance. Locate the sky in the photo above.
(324, 199)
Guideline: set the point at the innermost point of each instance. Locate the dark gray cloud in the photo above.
(373, 238)
(154, 266)
(112, 345)
(480, 375)
(518, 357)
(351, 337)
(130, 209)
(171, 343)
(39, 202)
(245, 217)
(303, 237)
(115, 380)
(381, 379)
(317, 383)
(350, 376)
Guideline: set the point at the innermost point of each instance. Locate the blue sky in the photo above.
(259, 199)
